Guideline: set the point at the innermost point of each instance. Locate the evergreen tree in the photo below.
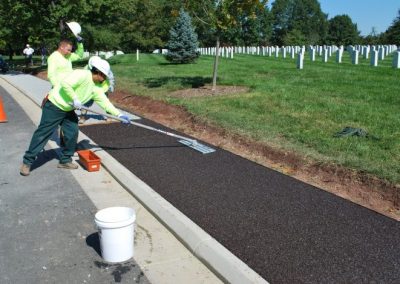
(182, 45)
(342, 31)
(392, 35)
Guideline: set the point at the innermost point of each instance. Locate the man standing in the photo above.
(59, 63)
(43, 53)
(74, 90)
(28, 52)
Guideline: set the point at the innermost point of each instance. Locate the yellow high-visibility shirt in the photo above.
(59, 66)
(79, 84)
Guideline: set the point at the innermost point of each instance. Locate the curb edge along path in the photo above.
(160, 255)
(219, 259)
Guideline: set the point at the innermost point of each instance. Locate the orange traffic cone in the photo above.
(3, 116)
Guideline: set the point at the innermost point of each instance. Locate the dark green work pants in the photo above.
(52, 117)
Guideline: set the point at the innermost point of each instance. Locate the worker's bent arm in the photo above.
(78, 54)
(101, 99)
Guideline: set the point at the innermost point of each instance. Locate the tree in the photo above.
(219, 16)
(342, 31)
(182, 45)
(304, 16)
(294, 37)
(392, 34)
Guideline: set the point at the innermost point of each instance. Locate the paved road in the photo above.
(286, 230)
(46, 220)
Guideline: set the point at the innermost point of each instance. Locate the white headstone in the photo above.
(300, 60)
(354, 57)
(276, 52)
(374, 58)
(325, 55)
(366, 52)
(381, 53)
(396, 59)
(312, 54)
(339, 54)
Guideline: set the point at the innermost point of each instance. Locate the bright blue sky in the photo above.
(365, 13)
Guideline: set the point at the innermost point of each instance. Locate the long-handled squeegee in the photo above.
(184, 140)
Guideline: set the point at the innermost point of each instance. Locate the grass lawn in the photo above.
(296, 110)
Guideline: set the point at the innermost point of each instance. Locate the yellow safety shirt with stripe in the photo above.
(79, 84)
(59, 65)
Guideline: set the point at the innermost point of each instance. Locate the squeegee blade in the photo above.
(198, 146)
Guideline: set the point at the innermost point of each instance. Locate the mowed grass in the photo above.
(287, 108)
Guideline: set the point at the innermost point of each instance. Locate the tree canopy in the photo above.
(131, 24)
(342, 31)
(297, 21)
(392, 35)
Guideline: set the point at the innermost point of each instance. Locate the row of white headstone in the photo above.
(106, 54)
(374, 52)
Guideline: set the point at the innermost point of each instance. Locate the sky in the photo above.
(365, 13)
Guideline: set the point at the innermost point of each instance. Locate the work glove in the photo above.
(125, 118)
(77, 104)
(79, 39)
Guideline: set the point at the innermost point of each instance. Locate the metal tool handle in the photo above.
(194, 142)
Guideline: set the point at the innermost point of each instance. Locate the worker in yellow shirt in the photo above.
(77, 88)
(59, 63)
(107, 87)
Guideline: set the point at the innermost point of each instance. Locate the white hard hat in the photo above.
(75, 28)
(100, 64)
(93, 59)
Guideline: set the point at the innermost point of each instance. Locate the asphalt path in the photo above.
(46, 220)
(286, 230)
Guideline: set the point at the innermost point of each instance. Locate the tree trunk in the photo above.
(214, 85)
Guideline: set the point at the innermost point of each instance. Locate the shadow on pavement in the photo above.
(93, 241)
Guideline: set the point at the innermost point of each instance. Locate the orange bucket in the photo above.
(89, 160)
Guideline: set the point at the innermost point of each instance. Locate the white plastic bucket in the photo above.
(116, 233)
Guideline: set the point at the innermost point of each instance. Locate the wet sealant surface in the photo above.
(286, 230)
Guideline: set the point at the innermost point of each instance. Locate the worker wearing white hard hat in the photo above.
(77, 88)
(59, 63)
(106, 87)
(108, 84)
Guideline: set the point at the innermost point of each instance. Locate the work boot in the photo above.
(25, 170)
(68, 166)
(82, 119)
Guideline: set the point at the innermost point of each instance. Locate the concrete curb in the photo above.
(215, 256)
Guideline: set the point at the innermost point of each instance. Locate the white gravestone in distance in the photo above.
(300, 60)
(374, 58)
(325, 55)
(312, 54)
(381, 53)
(354, 57)
(396, 59)
(276, 52)
(339, 54)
